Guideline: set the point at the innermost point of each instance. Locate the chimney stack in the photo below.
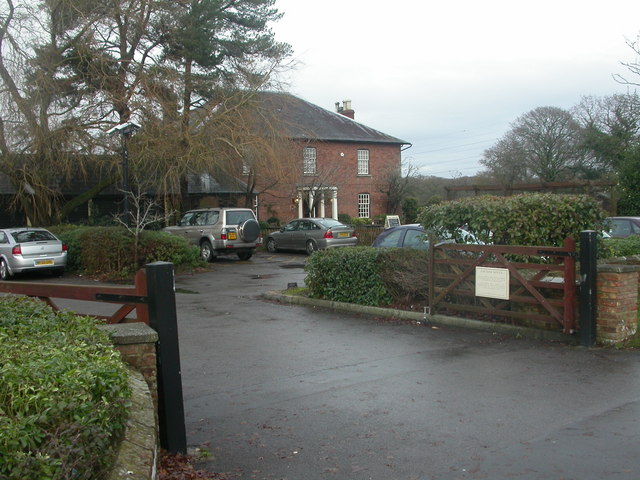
(345, 109)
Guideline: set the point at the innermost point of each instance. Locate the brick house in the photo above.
(343, 166)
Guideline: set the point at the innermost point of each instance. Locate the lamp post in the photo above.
(126, 129)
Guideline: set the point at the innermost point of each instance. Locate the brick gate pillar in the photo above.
(617, 299)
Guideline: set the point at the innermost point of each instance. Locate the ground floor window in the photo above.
(364, 203)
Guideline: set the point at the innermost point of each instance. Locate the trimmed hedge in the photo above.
(63, 393)
(527, 219)
(620, 247)
(368, 276)
(347, 275)
(109, 251)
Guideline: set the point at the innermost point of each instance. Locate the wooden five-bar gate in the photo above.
(529, 285)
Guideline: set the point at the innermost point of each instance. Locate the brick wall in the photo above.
(617, 302)
(136, 342)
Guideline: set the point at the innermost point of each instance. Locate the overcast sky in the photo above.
(450, 77)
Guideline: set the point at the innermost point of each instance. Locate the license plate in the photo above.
(44, 262)
(232, 236)
(343, 234)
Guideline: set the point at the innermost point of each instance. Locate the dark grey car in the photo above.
(311, 234)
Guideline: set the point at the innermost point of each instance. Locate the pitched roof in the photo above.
(303, 120)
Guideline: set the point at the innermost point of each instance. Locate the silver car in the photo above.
(311, 234)
(29, 250)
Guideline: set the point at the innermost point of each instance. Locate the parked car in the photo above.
(621, 227)
(30, 249)
(311, 234)
(220, 231)
(403, 236)
(413, 236)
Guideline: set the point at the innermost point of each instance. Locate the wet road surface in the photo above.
(291, 392)
(300, 393)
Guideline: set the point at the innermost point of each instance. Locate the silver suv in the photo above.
(220, 231)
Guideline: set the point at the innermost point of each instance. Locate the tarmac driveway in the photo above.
(291, 392)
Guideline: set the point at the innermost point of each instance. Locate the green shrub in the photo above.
(344, 218)
(355, 221)
(71, 235)
(109, 251)
(162, 247)
(63, 393)
(347, 275)
(620, 247)
(528, 219)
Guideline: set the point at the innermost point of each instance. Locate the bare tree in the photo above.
(506, 160)
(611, 127)
(544, 143)
(45, 117)
(395, 184)
(632, 67)
(145, 211)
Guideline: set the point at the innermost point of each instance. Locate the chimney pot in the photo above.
(346, 109)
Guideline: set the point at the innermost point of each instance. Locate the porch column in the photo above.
(300, 206)
(312, 207)
(322, 204)
(334, 204)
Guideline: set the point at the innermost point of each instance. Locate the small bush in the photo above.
(620, 247)
(405, 273)
(162, 247)
(369, 276)
(355, 221)
(109, 251)
(63, 393)
(344, 218)
(347, 275)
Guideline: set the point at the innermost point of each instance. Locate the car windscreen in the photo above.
(24, 236)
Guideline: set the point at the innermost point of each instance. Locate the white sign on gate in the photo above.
(492, 282)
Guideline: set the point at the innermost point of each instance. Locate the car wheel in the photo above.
(245, 255)
(271, 245)
(249, 230)
(5, 274)
(311, 247)
(206, 251)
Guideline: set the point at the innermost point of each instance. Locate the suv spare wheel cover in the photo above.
(249, 230)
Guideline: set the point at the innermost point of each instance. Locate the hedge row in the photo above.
(527, 219)
(63, 393)
(367, 276)
(109, 251)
